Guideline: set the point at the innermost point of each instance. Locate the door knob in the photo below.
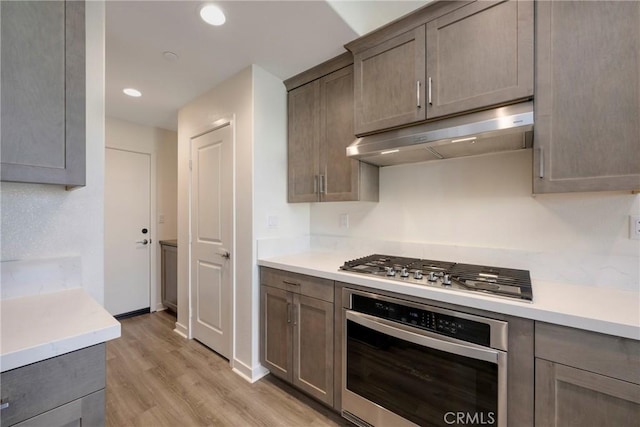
(224, 254)
(144, 242)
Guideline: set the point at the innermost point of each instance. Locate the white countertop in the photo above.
(39, 327)
(598, 309)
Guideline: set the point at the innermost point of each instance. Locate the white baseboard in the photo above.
(249, 374)
(181, 330)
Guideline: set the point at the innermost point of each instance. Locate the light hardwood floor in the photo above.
(157, 378)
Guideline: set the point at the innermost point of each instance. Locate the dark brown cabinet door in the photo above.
(587, 100)
(169, 276)
(566, 396)
(340, 173)
(389, 83)
(313, 347)
(320, 129)
(276, 331)
(478, 56)
(304, 134)
(43, 92)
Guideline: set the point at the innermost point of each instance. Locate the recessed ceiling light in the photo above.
(212, 14)
(132, 92)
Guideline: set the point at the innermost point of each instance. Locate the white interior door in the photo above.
(127, 213)
(212, 238)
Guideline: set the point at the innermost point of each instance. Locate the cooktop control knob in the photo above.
(404, 272)
(390, 271)
(446, 280)
(417, 274)
(432, 276)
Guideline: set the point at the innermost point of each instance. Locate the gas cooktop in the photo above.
(497, 281)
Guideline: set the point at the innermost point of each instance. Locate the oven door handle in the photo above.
(416, 336)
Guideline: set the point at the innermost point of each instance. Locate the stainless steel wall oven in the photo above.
(407, 363)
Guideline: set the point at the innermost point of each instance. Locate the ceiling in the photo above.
(283, 37)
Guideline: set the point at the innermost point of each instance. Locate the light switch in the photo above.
(634, 227)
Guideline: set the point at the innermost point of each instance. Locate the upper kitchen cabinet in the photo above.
(389, 83)
(303, 139)
(43, 92)
(444, 59)
(587, 100)
(320, 104)
(478, 56)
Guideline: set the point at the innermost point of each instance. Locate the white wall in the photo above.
(231, 98)
(270, 182)
(167, 184)
(486, 202)
(45, 221)
(257, 100)
(161, 145)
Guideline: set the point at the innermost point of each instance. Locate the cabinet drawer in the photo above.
(314, 287)
(39, 387)
(86, 412)
(608, 355)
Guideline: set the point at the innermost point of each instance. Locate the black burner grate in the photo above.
(427, 265)
(480, 278)
(507, 277)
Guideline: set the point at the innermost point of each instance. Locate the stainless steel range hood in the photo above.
(500, 129)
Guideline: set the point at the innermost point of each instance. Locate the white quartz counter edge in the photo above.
(39, 327)
(595, 309)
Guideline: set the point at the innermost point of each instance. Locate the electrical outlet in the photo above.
(344, 220)
(634, 227)
(272, 222)
(161, 218)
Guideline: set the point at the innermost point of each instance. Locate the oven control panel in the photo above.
(423, 318)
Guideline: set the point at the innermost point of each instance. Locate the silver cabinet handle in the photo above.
(418, 93)
(144, 242)
(288, 312)
(322, 185)
(430, 82)
(295, 315)
(4, 405)
(315, 184)
(541, 172)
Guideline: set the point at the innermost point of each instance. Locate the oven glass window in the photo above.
(426, 386)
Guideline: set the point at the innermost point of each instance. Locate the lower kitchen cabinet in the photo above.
(585, 378)
(169, 274)
(86, 411)
(61, 391)
(557, 376)
(297, 331)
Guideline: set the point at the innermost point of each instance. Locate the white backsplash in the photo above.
(38, 276)
(273, 247)
(609, 271)
(481, 210)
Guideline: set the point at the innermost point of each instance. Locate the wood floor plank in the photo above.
(157, 378)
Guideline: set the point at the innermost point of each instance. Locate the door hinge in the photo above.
(541, 157)
(190, 164)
